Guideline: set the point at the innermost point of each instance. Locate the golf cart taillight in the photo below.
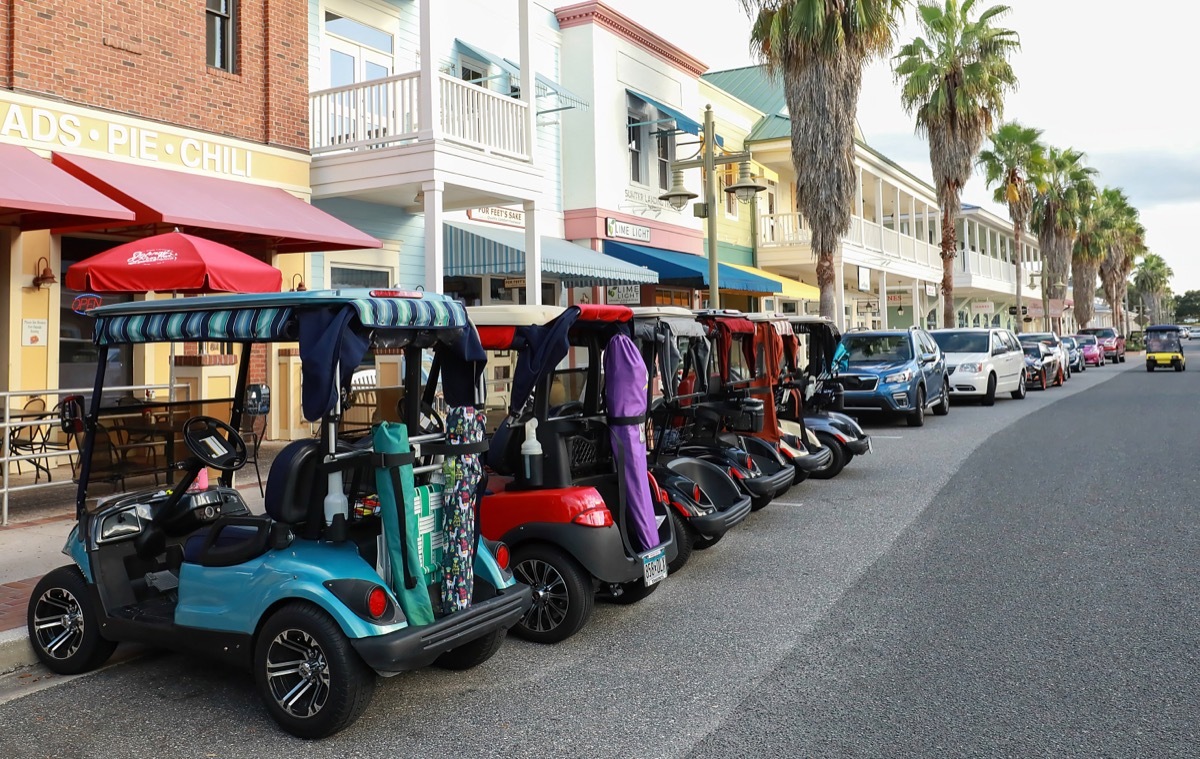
(396, 294)
(377, 602)
(502, 556)
(696, 493)
(736, 473)
(595, 517)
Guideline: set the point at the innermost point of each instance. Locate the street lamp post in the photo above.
(1045, 294)
(678, 196)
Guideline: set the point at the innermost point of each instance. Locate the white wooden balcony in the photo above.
(783, 235)
(386, 112)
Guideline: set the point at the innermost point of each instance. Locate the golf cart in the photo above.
(706, 500)
(809, 391)
(568, 487)
(324, 590)
(1164, 348)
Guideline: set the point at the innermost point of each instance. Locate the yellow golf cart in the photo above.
(1164, 348)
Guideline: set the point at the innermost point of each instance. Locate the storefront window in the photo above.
(340, 277)
(77, 355)
(671, 297)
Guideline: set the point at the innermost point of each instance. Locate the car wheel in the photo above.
(471, 655)
(563, 597)
(989, 397)
(64, 623)
(310, 678)
(685, 538)
(1122, 358)
(1019, 393)
(1059, 377)
(916, 417)
(837, 463)
(1043, 378)
(942, 407)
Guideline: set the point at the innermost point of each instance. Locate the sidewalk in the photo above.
(31, 545)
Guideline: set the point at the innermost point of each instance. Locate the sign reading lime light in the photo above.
(617, 228)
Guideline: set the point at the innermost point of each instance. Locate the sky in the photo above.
(1095, 75)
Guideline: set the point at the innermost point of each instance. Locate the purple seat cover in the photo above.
(625, 387)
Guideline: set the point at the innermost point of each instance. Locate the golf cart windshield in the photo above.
(1163, 342)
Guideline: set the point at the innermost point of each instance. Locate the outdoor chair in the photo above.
(30, 439)
(107, 463)
(253, 429)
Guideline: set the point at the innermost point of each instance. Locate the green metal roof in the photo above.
(753, 85)
(770, 128)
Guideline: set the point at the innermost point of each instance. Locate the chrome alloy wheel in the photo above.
(298, 673)
(58, 622)
(550, 600)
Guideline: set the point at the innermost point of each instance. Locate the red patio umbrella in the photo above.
(173, 262)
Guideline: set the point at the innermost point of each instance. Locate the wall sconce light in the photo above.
(298, 283)
(45, 275)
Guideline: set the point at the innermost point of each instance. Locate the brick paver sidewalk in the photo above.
(14, 599)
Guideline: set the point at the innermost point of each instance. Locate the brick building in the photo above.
(120, 120)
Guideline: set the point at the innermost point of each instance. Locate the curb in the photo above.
(15, 651)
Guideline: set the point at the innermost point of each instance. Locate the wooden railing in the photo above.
(977, 264)
(787, 229)
(386, 112)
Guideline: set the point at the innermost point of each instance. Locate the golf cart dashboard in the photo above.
(128, 515)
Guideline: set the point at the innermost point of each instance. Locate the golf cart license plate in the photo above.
(654, 566)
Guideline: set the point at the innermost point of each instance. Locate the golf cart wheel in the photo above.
(472, 654)
(310, 678)
(837, 463)
(916, 417)
(685, 538)
(989, 396)
(1019, 393)
(1149, 366)
(703, 543)
(64, 626)
(759, 502)
(1178, 366)
(563, 596)
(942, 407)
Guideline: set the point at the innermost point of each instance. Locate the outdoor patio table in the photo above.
(151, 433)
(35, 443)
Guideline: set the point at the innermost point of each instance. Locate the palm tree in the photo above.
(1062, 184)
(1096, 227)
(819, 49)
(1152, 279)
(1124, 245)
(955, 82)
(1017, 153)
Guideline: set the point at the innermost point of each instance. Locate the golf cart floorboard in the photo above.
(152, 611)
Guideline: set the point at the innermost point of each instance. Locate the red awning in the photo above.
(232, 212)
(34, 194)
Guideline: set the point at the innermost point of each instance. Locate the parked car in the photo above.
(1111, 340)
(899, 372)
(1074, 355)
(1185, 333)
(1042, 365)
(1052, 341)
(1093, 353)
(982, 362)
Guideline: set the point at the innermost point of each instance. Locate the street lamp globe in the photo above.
(678, 196)
(745, 188)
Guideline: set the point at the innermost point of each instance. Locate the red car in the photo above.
(1110, 340)
(1093, 351)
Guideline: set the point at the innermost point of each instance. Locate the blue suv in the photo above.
(900, 372)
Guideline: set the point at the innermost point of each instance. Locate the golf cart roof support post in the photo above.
(90, 421)
(412, 389)
(239, 402)
(335, 496)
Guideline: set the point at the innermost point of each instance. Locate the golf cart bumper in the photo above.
(1164, 359)
(416, 647)
(600, 550)
(814, 461)
(770, 485)
(858, 446)
(718, 523)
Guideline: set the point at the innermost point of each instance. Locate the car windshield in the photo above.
(1101, 332)
(1033, 350)
(860, 348)
(1085, 340)
(1069, 342)
(1036, 337)
(962, 342)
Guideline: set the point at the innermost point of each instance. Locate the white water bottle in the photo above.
(531, 455)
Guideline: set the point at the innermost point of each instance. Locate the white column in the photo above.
(883, 298)
(839, 292)
(528, 84)
(896, 212)
(879, 201)
(918, 297)
(533, 253)
(861, 192)
(435, 260)
(429, 107)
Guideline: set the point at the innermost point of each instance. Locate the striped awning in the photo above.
(237, 319)
(473, 249)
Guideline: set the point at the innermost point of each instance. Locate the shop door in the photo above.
(77, 355)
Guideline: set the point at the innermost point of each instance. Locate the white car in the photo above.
(982, 362)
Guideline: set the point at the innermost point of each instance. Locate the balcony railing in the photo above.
(386, 112)
(980, 265)
(787, 229)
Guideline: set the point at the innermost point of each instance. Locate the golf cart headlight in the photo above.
(970, 368)
(903, 376)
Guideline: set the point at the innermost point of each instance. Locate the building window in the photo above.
(666, 144)
(346, 277)
(636, 152)
(728, 178)
(222, 33)
(670, 297)
(472, 72)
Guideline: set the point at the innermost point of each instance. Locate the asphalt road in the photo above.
(1004, 581)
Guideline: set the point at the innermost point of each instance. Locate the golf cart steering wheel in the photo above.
(431, 421)
(214, 443)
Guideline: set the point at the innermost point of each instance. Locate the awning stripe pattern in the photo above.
(476, 250)
(687, 270)
(118, 325)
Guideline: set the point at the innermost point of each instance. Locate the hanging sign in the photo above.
(983, 307)
(85, 302)
(930, 291)
(864, 279)
(618, 228)
(514, 283)
(624, 295)
(509, 217)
